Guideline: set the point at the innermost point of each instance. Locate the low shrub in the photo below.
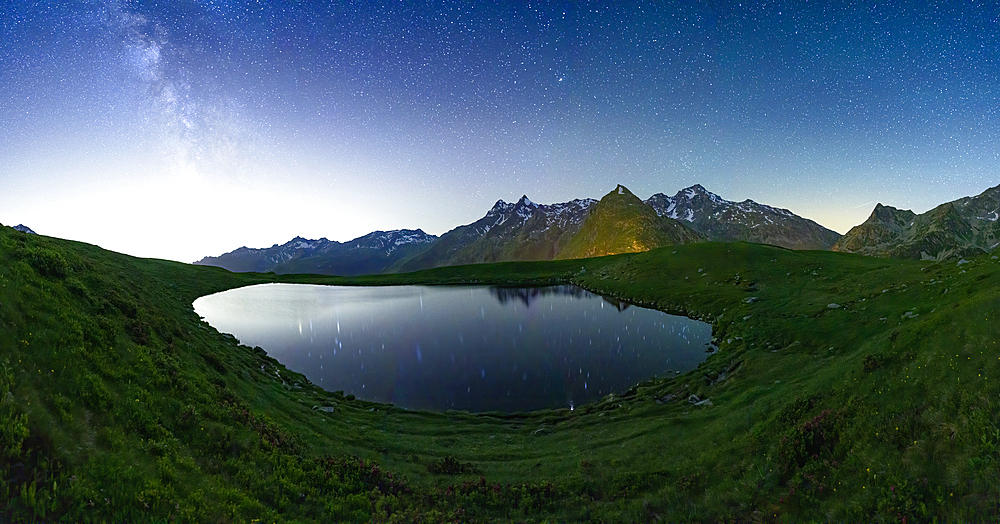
(47, 262)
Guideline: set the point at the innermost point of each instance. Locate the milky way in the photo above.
(187, 128)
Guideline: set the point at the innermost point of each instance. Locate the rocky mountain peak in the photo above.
(698, 194)
(500, 208)
(726, 220)
(962, 228)
(891, 216)
(622, 190)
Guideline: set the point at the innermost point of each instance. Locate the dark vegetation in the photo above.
(844, 388)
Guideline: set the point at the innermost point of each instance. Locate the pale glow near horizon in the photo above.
(181, 130)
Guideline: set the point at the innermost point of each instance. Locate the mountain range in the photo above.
(523, 230)
(618, 223)
(372, 253)
(962, 228)
(621, 223)
(723, 220)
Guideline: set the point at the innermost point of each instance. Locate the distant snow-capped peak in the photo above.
(525, 201)
(391, 240)
(517, 214)
(695, 202)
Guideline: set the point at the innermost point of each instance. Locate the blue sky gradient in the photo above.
(179, 129)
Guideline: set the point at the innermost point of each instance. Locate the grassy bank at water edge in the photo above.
(844, 388)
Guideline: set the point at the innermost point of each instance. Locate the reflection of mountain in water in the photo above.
(527, 295)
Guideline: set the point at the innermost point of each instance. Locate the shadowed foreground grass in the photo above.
(845, 388)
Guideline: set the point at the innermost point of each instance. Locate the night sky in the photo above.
(179, 129)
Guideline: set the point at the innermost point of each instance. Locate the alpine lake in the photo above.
(472, 348)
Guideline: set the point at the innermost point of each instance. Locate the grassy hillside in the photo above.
(845, 388)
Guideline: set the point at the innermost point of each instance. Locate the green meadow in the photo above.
(844, 388)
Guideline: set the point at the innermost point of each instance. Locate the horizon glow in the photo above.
(186, 129)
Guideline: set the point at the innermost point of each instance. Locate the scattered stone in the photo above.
(669, 397)
(910, 314)
(750, 300)
(833, 305)
(747, 317)
(327, 409)
(963, 261)
(698, 401)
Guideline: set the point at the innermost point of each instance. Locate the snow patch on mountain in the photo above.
(723, 219)
(495, 216)
(390, 241)
(385, 243)
(693, 203)
(562, 215)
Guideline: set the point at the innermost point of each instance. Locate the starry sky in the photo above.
(184, 128)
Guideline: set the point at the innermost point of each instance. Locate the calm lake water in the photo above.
(470, 348)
